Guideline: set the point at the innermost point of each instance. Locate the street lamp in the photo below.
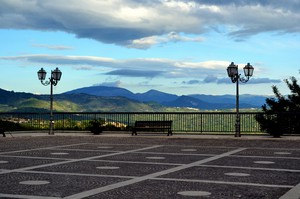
(53, 80)
(235, 77)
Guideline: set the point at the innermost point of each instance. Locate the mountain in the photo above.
(149, 96)
(207, 102)
(6, 97)
(187, 101)
(155, 96)
(101, 98)
(108, 103)
(246, 100)
(27, 102)
(104, 91)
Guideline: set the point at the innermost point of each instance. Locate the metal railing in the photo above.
(183, 122)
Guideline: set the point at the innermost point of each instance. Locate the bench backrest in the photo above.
(167, 124)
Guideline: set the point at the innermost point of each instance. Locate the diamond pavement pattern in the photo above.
(51, 167)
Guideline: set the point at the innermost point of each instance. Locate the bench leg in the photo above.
(133, 132)
(170, 133)
(3, 134)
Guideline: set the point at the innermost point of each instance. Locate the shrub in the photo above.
(96, 126)
(282, 112)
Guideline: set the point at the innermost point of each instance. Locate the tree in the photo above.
(282, 113)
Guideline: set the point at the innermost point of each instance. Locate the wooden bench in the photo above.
(156, 126)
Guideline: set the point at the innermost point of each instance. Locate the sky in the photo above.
(176, 46)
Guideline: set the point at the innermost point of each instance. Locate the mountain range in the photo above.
(199, 101)
(77, 102)
(102, 98)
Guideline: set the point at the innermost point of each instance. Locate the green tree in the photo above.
(282, 113)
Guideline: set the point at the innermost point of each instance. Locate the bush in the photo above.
(282, 113)
(96, 126)
(10, 126)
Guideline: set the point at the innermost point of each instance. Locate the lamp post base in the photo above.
(51, 132)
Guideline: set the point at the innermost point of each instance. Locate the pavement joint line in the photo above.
(149, 176)
(271, 149)
(191, 154)
(38, 158)
(251, 168)
(164, 179)
(186, 154)
(224, 182)
(117, 144)
(115, 151)
(273, 157)
(77, 160)
(293, 193)
(135, 162)
(78, 174)
(42, 148)
(26, 196)
(87, 150)
(197, 146)
(72, 159)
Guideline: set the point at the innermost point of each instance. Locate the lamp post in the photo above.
(53, 80)
(235, 77)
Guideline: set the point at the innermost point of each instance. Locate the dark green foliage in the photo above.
(282, 113)
(10, 126)
(112, 127)
(96, 126)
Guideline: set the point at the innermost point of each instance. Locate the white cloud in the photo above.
(110, 84)
(147, 42)
(53, 47)
(212, 71)
(142, 67)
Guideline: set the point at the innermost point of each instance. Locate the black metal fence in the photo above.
(183, 122)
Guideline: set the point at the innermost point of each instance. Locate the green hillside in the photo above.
(25, 102)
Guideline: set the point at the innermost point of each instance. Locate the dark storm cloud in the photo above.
(134, 23)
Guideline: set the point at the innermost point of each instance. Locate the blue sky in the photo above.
(175, 46)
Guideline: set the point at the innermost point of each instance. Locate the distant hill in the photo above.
(205, 102)
(155, 96)
(187, 101)
(104, 91)
(149, 96)
(101, 98)
(27, 102)
(192, 102)
(246, 100)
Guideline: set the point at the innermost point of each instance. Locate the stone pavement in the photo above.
(76, 165)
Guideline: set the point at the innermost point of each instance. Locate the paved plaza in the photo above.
(122, 166)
